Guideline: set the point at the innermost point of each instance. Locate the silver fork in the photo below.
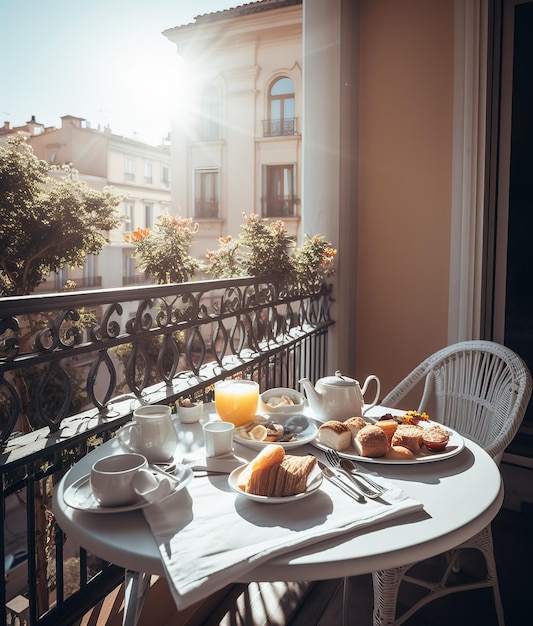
(349, 466)
(369, 490)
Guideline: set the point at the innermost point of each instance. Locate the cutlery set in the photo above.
(362, 485)
(369, 487)
(339, 467)
(336, 480)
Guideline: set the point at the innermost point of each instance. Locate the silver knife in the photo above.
(332, 477)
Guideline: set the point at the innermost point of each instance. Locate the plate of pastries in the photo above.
(408, 438)
(275, 477)
(289, 431)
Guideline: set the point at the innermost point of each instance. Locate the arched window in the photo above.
(281, 109)
(210, 114)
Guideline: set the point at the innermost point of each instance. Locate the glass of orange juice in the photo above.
(236, 400)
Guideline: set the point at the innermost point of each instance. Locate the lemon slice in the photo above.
(258, 433)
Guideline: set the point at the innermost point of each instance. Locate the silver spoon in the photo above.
(350, 467)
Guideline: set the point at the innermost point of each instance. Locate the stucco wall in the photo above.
(404, 195)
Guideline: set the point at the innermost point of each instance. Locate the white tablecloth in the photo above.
(209, 536)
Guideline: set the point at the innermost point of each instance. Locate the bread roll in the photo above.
(287, 478)
(371, 441)
(355, 424)
(271, 454)
(399, 452)
(409, 436)
(335, 435)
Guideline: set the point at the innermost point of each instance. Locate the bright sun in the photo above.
(141, 92)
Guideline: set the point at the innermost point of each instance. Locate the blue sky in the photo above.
(103, 60)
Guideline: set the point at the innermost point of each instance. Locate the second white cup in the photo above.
(112, 478)
(218, 437)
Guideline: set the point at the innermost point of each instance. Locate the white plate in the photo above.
(313, 483)
(302, 438)
(80, 496)
(455, 445)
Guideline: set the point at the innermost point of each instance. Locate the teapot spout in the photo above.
(311, 393)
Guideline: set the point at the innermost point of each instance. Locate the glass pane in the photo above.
(205, 194)
(283, 86)
(279, 201)
(288, 108)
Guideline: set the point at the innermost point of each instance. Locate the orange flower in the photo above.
(328, 256)
(137, 235)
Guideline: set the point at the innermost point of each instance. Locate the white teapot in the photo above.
(338, 397)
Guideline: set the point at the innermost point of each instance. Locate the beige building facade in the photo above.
(237, 126)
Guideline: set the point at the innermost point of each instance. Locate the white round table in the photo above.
(461, 495)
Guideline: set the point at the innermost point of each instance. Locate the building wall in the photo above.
(405, 182)
(241, 56)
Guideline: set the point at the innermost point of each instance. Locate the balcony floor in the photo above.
(319, 604)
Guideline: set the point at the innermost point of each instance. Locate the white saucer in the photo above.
(305, 436)
(313, 483)
(79, 495)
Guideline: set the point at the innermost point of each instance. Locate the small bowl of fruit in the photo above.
(189, 411)
(281, 400)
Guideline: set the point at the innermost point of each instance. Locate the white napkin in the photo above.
(226, 463)
(209, 536)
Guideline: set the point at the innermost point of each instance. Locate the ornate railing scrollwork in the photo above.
(103, 358)
(139, 342)
(10, 407)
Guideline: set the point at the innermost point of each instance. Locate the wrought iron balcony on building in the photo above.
(279, 128)
(73, 366)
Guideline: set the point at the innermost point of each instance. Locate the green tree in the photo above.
(46, 223)
(163, 251)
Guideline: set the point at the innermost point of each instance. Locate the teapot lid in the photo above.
(338, 380)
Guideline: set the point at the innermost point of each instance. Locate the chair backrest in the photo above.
(479, 388)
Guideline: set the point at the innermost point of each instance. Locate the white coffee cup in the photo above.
(151, 433)
(113, 479)
(218, 438)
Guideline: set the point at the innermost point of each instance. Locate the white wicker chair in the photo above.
(480, 389)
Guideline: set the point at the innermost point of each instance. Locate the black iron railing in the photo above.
(279, 128)
(72, 369)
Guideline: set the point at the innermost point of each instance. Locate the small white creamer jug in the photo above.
(151, 433)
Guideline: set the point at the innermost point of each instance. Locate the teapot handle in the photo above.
(378, 390)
